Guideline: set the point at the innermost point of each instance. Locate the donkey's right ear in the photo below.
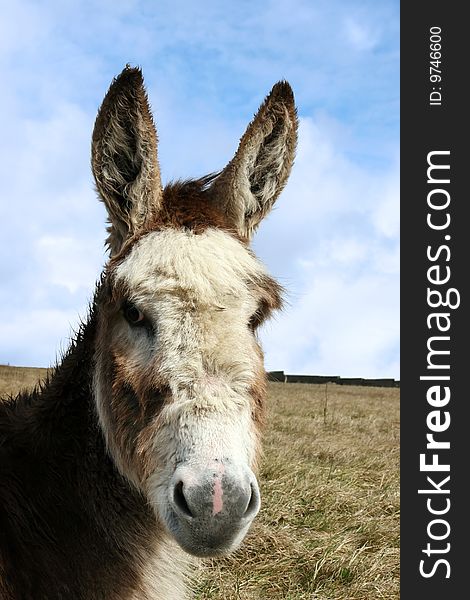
(124, 157)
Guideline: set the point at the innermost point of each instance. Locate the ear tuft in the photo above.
(282, 91)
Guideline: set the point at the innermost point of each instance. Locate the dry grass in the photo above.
(329, 524)
(14, 379)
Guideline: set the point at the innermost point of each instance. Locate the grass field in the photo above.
(329, 522)
(13, 379)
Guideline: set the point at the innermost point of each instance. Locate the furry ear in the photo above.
(124, 157)
(250, 184)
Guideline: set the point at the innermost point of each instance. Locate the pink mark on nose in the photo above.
(217, 502)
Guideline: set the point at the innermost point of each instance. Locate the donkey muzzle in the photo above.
(212, 506)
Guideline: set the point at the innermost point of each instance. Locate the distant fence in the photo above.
(282, 377)
(29, 376)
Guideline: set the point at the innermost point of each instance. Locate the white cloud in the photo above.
(386, 216)
(340, 252)
(340, 326)
(68, 262)
(360, 35)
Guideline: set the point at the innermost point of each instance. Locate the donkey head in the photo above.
(179, 378)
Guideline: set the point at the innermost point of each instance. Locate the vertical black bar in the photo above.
(434, 118)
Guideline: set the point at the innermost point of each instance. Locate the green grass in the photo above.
(328, 528)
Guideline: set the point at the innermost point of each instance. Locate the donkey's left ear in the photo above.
(250, 184)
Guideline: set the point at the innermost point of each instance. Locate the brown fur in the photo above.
(62, 535)
(136, 398)
(189, 205)
(185, 205)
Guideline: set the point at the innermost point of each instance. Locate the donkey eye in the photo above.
(133, 315)
(262, 312)
(255, 320)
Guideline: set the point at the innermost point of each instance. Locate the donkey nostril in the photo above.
(180, 500)
(253, 504)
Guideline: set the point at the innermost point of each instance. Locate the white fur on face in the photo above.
(195, 289)
(199, 293)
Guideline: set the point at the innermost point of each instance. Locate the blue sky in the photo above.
(333, 239)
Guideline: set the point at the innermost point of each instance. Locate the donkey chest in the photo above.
(164, 574)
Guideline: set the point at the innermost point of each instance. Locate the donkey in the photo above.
(140, 448)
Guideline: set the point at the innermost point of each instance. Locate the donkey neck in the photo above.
(68, 519)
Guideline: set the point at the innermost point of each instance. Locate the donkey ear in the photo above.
(250, 184)
(124, 157)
